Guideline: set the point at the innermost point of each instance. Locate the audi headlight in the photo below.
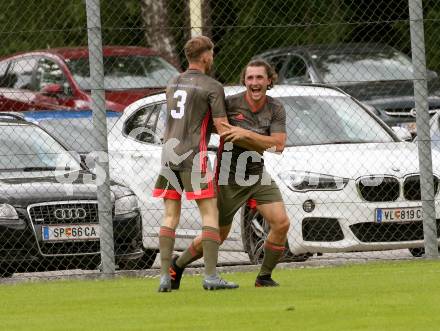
(126, 205)
(302, 181)
(7, 212)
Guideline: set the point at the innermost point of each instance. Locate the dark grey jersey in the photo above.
(269, 119)
(193, 99)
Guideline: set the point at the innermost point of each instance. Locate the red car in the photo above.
(59, 78)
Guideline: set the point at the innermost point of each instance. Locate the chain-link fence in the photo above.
(356, 174)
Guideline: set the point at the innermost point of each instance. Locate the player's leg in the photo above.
(271, 207)
(226, 213)
(210, 245)
(191, 254)
(229, 199)
(171, 195)
(275, 214)
(167, 237)
(200, 187)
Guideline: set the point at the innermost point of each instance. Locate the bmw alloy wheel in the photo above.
(254, 232)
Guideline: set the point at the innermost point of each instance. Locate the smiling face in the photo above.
(256, 81)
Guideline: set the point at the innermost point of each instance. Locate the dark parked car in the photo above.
(375, 74)
(48, 206)
(59, 78)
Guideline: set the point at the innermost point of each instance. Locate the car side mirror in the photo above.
(52, 90)
(402, 133)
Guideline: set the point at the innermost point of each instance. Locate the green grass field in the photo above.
(375, 296)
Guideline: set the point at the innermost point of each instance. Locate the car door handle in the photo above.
(137, 156)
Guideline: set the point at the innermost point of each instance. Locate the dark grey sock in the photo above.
(166, 247)
(210, 243)
(272, 254)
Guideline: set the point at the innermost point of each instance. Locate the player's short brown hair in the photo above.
(271, 73)
(197, 46)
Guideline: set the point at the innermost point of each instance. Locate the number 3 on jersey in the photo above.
(178, 113)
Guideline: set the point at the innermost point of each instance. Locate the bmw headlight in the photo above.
(7, 212)
(303, 181)
(126, 205)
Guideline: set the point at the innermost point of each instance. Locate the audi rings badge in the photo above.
(70, 214)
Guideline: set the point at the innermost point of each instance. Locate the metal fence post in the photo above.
(100, 127)
(423, 130)
(195, 8)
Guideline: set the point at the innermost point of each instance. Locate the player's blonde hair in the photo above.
(196, 46)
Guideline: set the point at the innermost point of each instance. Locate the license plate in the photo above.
(70, 232)
(398, 214)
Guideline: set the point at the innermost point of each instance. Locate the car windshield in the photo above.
(126, 72)
(363, 67)
(316, 120)
(29, 148)
(76, 134)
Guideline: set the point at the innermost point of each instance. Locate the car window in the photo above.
(142, 125)
(161, 123)
(296, 70)
(28, 146)
(20, 73)
(74, 129)
(277, 62)
(49, 72)
(364, 66)
(126, 72)
(315, 120)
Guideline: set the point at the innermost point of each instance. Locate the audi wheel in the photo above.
(255, 230)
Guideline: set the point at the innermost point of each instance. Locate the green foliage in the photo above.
(240, 28)
(37, 24)
(432, 34)
(271, 24)
(28, 25)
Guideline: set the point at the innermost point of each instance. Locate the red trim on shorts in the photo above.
(252, 203)
(202, 194)
(167, 232)
(166, 194)
(273, 247)
(211, 235)
(203, 148)
(207, 193)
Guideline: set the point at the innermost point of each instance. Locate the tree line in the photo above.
(239, 28)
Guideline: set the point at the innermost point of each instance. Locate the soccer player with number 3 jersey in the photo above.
(195, 103)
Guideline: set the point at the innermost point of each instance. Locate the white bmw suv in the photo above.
(348, 182)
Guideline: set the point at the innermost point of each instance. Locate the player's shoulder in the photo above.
(274, 103)
(173, 82)
(212, 83)
(235, 98)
